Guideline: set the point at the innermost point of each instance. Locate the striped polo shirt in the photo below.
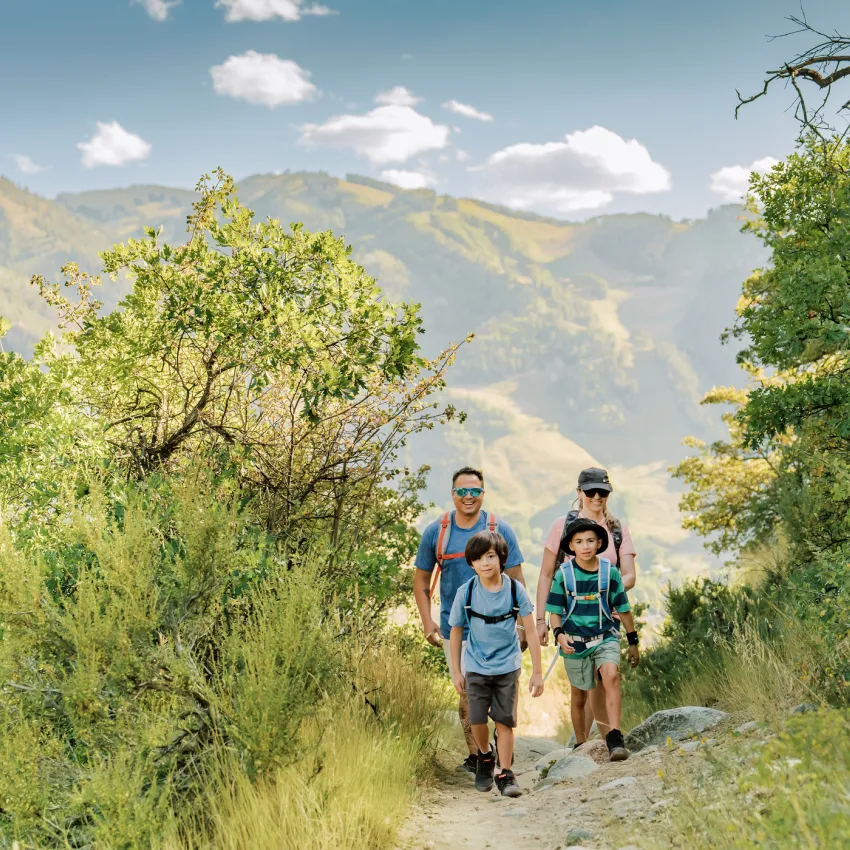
(585, 617)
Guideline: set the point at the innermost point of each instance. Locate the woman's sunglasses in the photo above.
(475, 492)
(592, 494)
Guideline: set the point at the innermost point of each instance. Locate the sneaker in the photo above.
(469, 764)
(506, 783)
(485, 765)
(616, 746)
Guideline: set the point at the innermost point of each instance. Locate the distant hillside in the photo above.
(594, 341)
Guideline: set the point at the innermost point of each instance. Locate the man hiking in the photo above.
(443, 545)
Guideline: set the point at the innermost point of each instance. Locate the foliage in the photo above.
(164, 648)
(787, 792)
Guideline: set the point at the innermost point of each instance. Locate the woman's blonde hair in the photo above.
(610, 519)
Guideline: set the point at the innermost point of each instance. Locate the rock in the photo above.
(594, 733)
(647, 751)
(545, 786)
(576, 847)
(596, 750)
(528, 751)
(515, 813)
(576, 835)
(622, 782)
(747, 727)
(674, 723)
(804, 708)
(689, 746)
(572, 767)
(549, 759)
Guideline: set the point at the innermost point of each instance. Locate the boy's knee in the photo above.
(610, 673)
(579, 697)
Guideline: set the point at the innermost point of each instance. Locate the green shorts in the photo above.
(580, 671)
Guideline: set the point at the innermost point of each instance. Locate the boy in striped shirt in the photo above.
(585, 593)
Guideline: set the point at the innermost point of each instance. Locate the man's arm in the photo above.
(516, 574)
(421, 593)
(544, 585)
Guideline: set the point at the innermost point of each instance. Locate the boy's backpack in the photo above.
(495, 618)
(606, 618)
(443, 544)
(616, 533)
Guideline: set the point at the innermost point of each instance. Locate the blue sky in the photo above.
(599, 107)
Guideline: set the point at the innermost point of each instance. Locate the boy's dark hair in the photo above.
(468, 470)
(480, 544)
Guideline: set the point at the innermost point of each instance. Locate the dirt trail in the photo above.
(571, 813)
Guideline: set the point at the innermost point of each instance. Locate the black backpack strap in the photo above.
(468, 606)
(617, 534)
(514, 600)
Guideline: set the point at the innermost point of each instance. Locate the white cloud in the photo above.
(408, 179)
(26, 165)
(733, 182)
(158, 9)
(583, 172)
(267, 10)
(384, 135)
(467, 111)
(461, 156)
(113, 145)
(262, 78)
(397, 96)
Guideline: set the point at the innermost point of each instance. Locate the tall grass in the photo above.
(167, 680)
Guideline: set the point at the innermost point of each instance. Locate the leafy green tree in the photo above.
(264, 350)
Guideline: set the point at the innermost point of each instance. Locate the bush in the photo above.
(164, 651)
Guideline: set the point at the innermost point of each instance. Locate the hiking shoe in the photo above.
(469, 764)
(485, 765)
(506, 783)
(616, 746)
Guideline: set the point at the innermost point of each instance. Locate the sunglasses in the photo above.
(592, 494)
(475, 492)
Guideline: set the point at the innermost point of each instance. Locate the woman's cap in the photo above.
(594, 479)
(583, 524)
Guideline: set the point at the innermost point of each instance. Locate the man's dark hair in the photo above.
(468, 470)
(480, 544)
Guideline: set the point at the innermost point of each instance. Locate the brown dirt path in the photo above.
(452, 815)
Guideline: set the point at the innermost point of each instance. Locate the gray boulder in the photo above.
(674, 723)
(530, 751)
(571, 767)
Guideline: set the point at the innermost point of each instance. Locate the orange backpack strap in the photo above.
(492, 523)
(442, 546)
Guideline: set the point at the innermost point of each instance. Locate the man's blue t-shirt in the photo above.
(492, 648)
(457, 571)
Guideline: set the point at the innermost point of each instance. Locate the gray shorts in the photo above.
(497, 696)
(581, 671)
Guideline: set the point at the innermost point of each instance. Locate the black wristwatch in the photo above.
(556, 633)
(632, 638)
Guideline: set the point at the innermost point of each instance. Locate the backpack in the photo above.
(569, 578)
(443, 544)
(513, 613)
(616, 534)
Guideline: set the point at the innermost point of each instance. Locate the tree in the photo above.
(794, 318)
(819, 68)
(265, 351)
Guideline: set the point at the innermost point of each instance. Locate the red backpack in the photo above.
(443, 544)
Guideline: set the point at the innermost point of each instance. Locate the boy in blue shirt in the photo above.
(489, 605)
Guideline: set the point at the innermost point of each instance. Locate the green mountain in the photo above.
(594, 341)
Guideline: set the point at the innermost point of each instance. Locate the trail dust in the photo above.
(594, 811)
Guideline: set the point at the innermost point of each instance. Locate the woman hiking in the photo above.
(594, 488)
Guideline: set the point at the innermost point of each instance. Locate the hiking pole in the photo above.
(552, 665)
